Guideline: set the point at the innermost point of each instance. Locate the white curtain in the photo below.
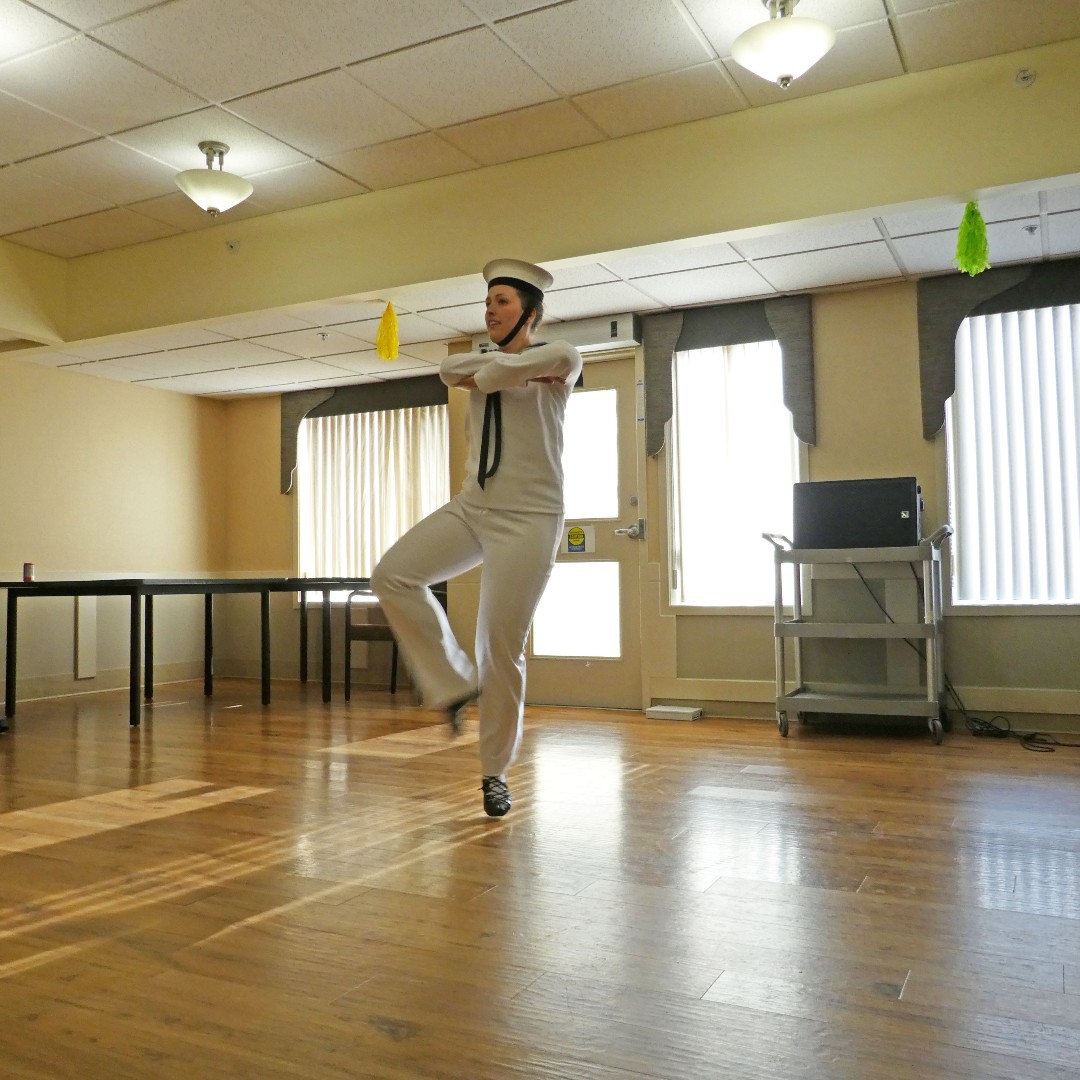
(1014, 458)
(734, 460)
(364, 479)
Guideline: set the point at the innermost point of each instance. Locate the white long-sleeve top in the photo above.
(530, 475)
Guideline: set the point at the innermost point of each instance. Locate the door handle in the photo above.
(635, 531)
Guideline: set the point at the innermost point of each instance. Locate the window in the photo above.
(734, 459)
(1013, 432)
(362, 480)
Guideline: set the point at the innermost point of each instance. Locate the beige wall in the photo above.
(98, 477)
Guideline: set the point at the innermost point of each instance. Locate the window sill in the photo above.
(1012, 611)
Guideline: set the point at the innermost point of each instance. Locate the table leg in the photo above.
(326, 657)
(148, 647)
(303, 636)
(264, 600)
(208, 644)
(136, 640)
(9, 660)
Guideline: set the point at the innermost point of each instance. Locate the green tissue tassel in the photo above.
(972, 250)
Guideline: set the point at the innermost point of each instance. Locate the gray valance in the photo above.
(785, 319)
(945, 302)
(357, 398)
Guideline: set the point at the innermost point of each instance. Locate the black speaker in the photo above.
(858, 513)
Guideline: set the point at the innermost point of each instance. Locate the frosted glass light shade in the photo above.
(782, 49)
(215, 191)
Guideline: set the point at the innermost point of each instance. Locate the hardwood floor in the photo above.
(312, 890)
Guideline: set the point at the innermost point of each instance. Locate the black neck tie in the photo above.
(492, 412)
(491, 441)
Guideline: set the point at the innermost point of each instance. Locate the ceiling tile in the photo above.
(404, 161)
(104, 349)
(675, 97)
(311, 342)
(936, 218)
(174, 337)
(431, 352)
(27, 200)
(102, 231)
(326, 114)
(90, 85)
(333, 313)
(808, 238)
(1058, 199)
(397, 370)
(222, 354)
(301, 185)
(712, 284)
(368, 362)
(441, 294)
(504, 9)
(575, 273)
(609, 298)
(218, 51)
(258, 324)
(83, 15)
(253, 377)
(1064, 233)
(345, 31)
(970, 29)
(486, 76)
(668, 258)
(593, 43)
(934, 252)
(304, 370)
(539, 129)
(838, 266)
(464, 318)
(176, 142)
(411, 329)
(53, 358)
(107, 169)
(26, 30)
(26, 131)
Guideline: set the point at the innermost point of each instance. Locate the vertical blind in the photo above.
(362, 480)
(1014, 458)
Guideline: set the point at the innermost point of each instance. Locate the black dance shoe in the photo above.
(496, 796)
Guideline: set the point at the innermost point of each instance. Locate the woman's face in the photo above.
(503, 311)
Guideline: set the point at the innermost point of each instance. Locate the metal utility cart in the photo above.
(900, 622)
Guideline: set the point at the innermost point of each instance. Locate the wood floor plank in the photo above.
(312, 890)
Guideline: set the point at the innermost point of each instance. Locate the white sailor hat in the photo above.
(517, 273)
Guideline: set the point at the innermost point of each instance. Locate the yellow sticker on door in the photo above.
(580, 538)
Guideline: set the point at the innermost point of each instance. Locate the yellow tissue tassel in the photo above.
(386, 339)
(972, 249)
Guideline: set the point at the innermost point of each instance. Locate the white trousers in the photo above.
(517, 550)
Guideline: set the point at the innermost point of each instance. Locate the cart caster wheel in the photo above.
(936, 731)
(782, 724)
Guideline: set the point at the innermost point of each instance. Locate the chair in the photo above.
(374, 631)
(366, 631)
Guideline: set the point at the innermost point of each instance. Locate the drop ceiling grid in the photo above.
(95, 170)
(286, 62)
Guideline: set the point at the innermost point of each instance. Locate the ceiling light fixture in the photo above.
(785, 47)
(214, 190)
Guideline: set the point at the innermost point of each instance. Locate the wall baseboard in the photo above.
(1027, 708)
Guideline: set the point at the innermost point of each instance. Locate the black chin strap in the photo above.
(493, 417)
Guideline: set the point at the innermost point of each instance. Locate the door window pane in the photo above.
(579, 612)
(591, 455)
